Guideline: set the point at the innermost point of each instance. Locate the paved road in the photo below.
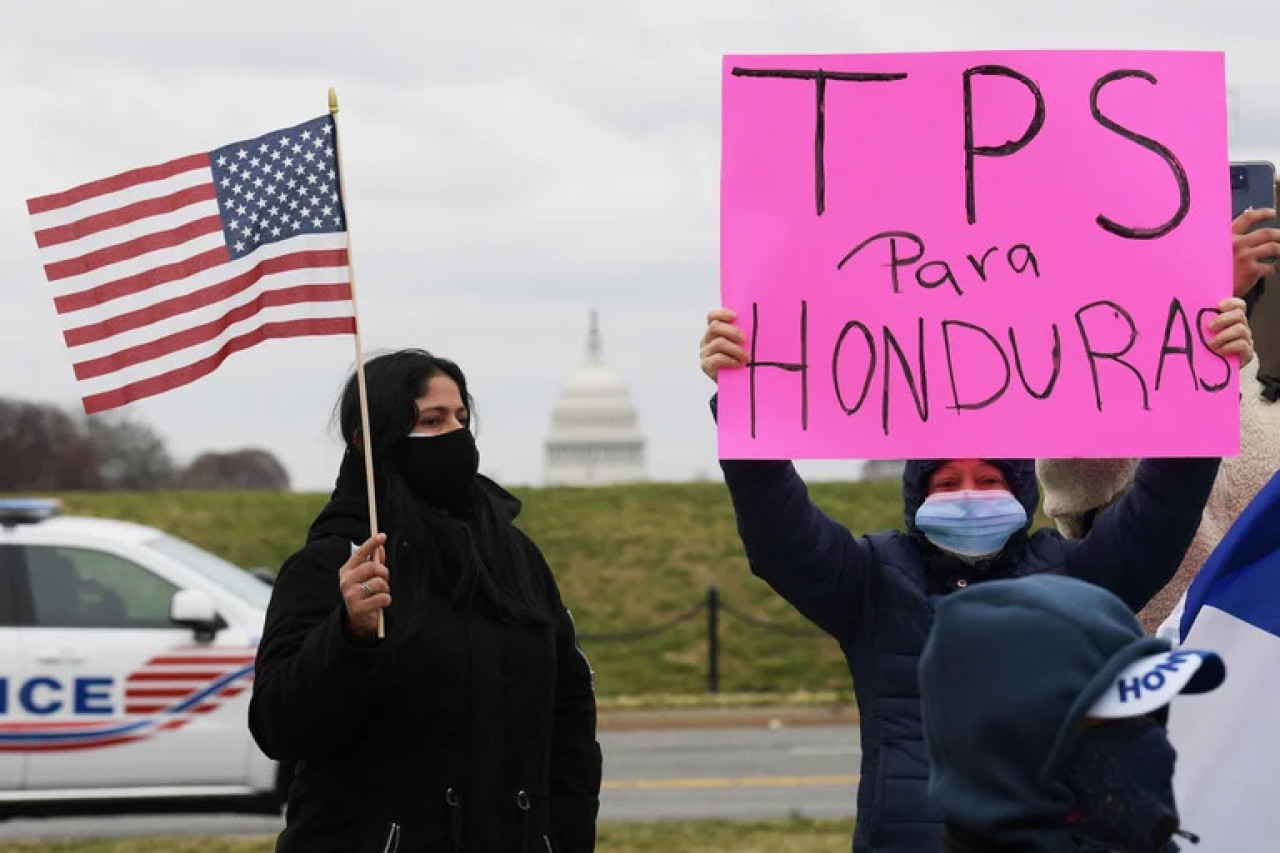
(659, 775)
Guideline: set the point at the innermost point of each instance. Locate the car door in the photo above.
(12, 760)
(118, 692)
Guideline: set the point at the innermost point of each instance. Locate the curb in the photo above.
(725, 718)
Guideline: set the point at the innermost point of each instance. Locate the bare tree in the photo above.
(131, 455)
(42, 448)
(239, 469)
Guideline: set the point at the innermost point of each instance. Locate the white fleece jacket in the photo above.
(1073, 487)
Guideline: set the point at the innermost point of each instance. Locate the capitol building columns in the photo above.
(595, 435)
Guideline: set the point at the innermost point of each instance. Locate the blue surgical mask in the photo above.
(971, 524)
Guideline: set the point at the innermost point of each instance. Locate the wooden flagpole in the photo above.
(364, 394)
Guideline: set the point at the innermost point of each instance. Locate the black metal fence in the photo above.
(712, 605)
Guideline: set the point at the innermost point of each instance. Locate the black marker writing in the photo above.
(1200, 331)
(1176, 313)
(1179, 173)
(1003, 150)
(980, 266)
(895, 260)
(871, 366)
(1057, 364)
(801, 367)
(934, 273)
(947, 326)
(1118, 357)
(819, 78)
(920, 397)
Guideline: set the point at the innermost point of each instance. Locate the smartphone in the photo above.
(1253, 186)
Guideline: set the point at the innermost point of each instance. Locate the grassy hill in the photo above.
(626, 557)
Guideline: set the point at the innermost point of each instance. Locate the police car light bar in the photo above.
(27, 510)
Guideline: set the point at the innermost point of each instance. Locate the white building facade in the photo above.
(595, 435)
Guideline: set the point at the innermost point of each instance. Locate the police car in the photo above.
(126, 661)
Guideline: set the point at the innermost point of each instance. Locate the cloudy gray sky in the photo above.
(509, 164)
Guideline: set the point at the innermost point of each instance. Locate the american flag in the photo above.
(160, 273)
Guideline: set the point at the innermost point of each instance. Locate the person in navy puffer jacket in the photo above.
(967, 521)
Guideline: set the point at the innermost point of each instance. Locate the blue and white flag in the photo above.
(1228, 741)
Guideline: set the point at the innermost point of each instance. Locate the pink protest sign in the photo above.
(1006, 254)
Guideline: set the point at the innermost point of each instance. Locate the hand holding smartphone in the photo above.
(1256, 238)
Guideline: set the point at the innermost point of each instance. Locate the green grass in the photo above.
(625, 557)
(796, 835)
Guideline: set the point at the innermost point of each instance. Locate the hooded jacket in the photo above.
(455, 732)
(1008, 673)
(877, 596)
(1076, 489)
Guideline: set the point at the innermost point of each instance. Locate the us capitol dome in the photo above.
(595, 437)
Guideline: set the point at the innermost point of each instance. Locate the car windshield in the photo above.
(226, 575)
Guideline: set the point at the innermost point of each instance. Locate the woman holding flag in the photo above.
(469, 723)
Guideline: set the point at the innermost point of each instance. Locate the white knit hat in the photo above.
(1072, 487)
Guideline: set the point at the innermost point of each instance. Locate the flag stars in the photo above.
(278, 186)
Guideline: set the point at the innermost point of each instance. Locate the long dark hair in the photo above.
(474, 557)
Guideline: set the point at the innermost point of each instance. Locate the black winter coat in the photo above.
(456, 732)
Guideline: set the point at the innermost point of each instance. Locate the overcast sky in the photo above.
(509, 164)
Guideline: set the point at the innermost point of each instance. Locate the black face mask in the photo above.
(1122, 777)
(439, 469)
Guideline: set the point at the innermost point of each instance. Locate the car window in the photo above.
(226, 575)
(83, 588)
